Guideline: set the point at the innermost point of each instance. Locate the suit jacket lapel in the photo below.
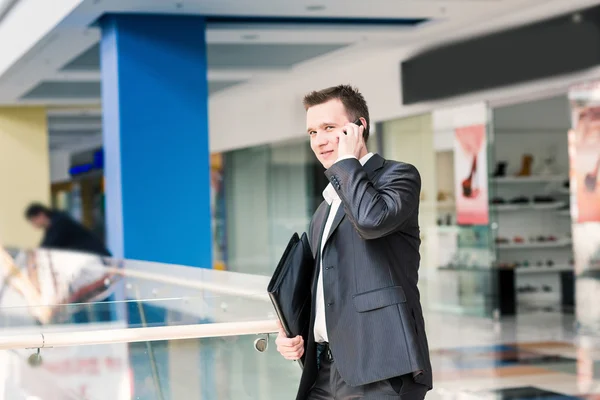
(319, 226)
(337, 220)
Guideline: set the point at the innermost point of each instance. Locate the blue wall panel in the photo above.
(155, 121)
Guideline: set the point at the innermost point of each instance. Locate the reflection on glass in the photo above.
(269, 193)
(203, 369)
(51, 288)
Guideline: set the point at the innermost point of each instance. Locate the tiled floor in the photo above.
(535, 356)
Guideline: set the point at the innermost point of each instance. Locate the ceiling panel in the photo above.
(92, 90)
(89, 60)
(64, 90)
(231, 55)
(264, 55)
(74, 129)
(74, 120)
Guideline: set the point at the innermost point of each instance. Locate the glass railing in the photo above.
(75, 326)
(43, 287)
(212, 368)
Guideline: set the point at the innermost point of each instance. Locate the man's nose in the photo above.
(322, 138)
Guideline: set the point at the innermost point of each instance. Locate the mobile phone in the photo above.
(357, 122)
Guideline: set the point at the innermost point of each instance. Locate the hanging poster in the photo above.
(584, 160)
(584, 154)
(470, 169)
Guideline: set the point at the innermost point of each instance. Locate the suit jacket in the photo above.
(67, 234)
(370, 271)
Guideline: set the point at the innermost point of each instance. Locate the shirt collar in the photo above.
(330, 195)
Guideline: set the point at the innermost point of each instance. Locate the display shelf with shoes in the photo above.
(544, 269)
(529, 179)
(500, 171)
(529, 188)
(526, 166)
(531, 205)
(564, 211)
(534, 244)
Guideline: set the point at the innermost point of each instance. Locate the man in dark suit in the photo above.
(367, 335)
(63, 232)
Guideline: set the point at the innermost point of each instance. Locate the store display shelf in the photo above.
(529, 206)
(544, 269)
(440, 205)
(446, 205)
(529, 179)
(446, 229)
(562, 190)
(534, 245)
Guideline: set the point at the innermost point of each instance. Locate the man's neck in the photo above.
(363, 153)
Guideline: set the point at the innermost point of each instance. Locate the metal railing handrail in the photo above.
(201, 285)
(130, 335)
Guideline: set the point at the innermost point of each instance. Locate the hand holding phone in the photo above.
(357, 122)
(353, 144)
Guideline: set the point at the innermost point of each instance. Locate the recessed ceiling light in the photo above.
(315, 7)
(250, 36)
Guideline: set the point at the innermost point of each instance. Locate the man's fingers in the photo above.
(292, 349)
(298, 347)
(293, 355)
(289, 343)
(351, 130)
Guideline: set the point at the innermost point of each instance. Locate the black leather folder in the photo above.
(290, 286)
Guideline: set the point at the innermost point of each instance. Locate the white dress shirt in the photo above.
(332, 198)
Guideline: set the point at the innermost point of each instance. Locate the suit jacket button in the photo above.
(329, 304)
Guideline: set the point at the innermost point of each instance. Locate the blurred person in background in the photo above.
(62, 232)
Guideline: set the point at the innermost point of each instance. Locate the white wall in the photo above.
(260, 113)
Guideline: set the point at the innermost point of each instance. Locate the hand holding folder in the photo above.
(290, 287)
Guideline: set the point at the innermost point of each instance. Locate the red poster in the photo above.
(470, 169)
(584, 153)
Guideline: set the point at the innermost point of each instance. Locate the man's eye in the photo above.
(328, 128)
(312, 133)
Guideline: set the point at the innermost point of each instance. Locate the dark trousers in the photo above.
(330, 386)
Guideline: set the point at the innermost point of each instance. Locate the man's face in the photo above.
(40, 221)
(324, 122)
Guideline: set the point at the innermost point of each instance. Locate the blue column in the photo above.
(155, 127)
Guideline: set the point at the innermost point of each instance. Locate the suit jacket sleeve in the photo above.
(376, 211)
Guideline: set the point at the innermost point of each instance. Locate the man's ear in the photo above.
(365, 132)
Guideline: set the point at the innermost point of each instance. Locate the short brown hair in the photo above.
(351, 98)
